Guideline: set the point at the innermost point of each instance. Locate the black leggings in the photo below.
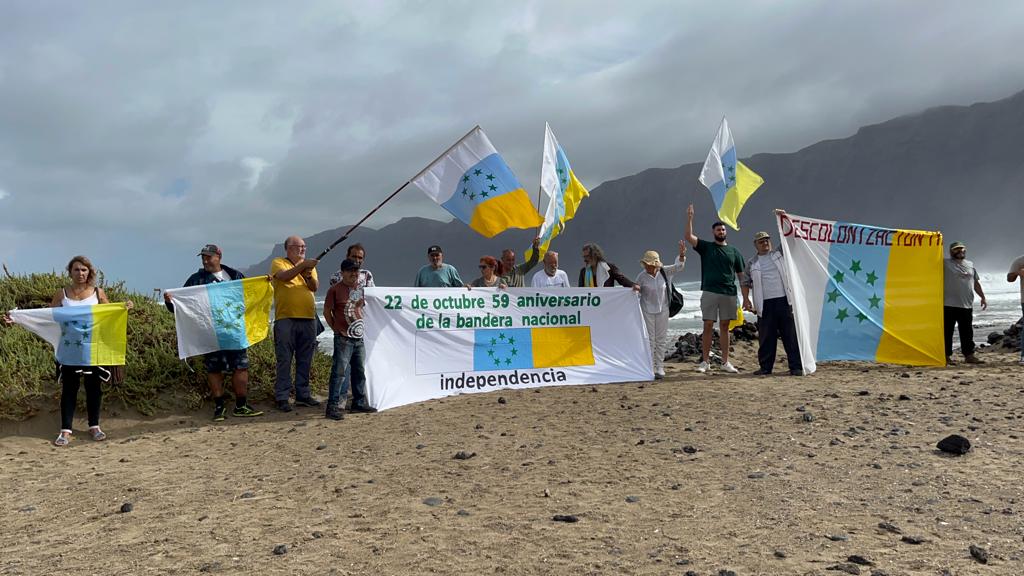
(69, 377)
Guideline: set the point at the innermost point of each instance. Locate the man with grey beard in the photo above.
(960, 282)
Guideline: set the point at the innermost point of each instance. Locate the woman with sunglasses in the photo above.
(490, 274)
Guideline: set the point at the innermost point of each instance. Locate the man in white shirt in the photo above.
(766, 279)
(1017, 273)
(550, 276)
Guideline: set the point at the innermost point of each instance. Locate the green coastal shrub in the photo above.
(155, 379)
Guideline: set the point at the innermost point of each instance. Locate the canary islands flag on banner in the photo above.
(81, 335)
(221, 316)
(508, 349)
(473, 182)
(730, 182)
(864, 292)
(564, 191)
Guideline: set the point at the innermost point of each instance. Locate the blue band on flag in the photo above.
(227, 311)
(510, 349)
(76, 327)
(489, 178)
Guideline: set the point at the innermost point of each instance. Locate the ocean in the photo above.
(1003, 309)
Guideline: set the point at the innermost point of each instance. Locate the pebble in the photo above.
(318, 535)
(632, 499)
(463, 455)
(127, 507)
(565, 518)
(248, 495)
(690, 450)
(892, 528)
(847, 568)
(913, 539)
(756, 475)
(724, 572)
(837, 537)
(855, 559)
(954, 444)
(433, 501)
(979, 554)
(903, 396)
(808, 417)
(501, 400)
(463, 513)
(421, 446)
(27, 509)
(280, 550)
(780, 553)
(321, 446)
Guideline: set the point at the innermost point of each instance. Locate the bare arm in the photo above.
(57, 297)
(329, 308)
(981, 293)
(102, 296)
(690, 236)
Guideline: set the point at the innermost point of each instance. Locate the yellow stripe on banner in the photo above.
(510, 210)
(259, 294)
(563, 346)
(109, 338)
(912, 319)
(747, 182)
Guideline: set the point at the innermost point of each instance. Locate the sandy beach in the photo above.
(694, 474)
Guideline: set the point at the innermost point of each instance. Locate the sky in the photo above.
(136, 132)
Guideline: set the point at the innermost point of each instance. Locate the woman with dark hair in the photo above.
(81, 292)
(598, 273)
(490, 274)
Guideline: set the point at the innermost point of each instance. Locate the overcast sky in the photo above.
(136, 132)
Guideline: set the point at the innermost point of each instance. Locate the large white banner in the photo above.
(424, 343)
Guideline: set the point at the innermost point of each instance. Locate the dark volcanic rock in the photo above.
(892, 528)
(433, 501)
(979, 554)
(280, 550)
(855, 559)
(127, 507)
(954, 444)
(912, 539)
(847, 568)
(463, 455)
(565, 518)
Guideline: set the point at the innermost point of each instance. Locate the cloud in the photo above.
(240, 124)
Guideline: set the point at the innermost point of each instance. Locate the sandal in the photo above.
(97, 434)
(63, 439)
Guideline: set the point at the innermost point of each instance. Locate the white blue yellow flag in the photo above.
(221, 316)
(564, 190)
(80, 335)
(730, 182)
(473, 182)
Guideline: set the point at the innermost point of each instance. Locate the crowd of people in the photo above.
(763, 282)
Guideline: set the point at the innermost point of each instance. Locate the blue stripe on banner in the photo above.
(227, 311)
(510, 349)
(76, 324)
(489, 178)
(852, 310)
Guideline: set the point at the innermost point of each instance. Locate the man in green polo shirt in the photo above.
(719, 266)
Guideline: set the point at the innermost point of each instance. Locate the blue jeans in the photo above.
(293, 337)
(349, 355)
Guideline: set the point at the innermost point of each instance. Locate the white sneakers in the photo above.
(727, 367)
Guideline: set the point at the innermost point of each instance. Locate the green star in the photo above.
(872, 278)
(501, 336)
(874, 300)
(465, 178)
(484, 194)
(497, 361)
(842, 315)
(559, 170)
(508, 361)
(494, 342)
(477, 172)
(67, 342)
(514, 351)
(490, 176)
(472, 196)
(465, 191)
(838, 276)
(861, 317)
(833, 296)
(855, 267)
(490, 353)
(492, 187)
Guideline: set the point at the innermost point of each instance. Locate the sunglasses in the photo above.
(482, 266)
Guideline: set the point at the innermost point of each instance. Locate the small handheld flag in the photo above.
(730, 182)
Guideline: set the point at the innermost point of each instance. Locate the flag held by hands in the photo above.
(564, 190)
(222, 316)
(730, 181)
(473, 182)
(80, 335)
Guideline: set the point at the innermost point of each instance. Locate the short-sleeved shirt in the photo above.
(337, 301)
(958, 281)
(444, 277)
(1015, 267)
(718, 267)
(292, 299)
(542, 280)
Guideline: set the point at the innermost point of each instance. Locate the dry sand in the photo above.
(761, 494)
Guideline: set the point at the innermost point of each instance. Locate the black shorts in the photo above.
(226, 361)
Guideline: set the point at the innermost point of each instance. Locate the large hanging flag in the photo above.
(564, 191)
(473, 182)
(730, 182)
(81, 335)
(864, 292)
(222, 315)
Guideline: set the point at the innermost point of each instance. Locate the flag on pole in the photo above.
(80, 335)
(221, 316)
(564, 191)
(473, 182)
(730, 182)
(864, 292)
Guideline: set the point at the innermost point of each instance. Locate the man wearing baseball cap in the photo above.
(960, 282)
(217, 363)
(437, 274)
(766, 279)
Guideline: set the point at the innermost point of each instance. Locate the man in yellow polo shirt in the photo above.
(295, 283)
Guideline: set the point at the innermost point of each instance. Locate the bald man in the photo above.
(295, 283)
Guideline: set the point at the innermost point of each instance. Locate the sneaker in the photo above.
(284, 406)
(762, 372)
(245, 411)
(219, 412)
(728, 367)
(950, 361)
(310, 402)
(972, 359)
(334, 413)
(703, 367)
(659, 376)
